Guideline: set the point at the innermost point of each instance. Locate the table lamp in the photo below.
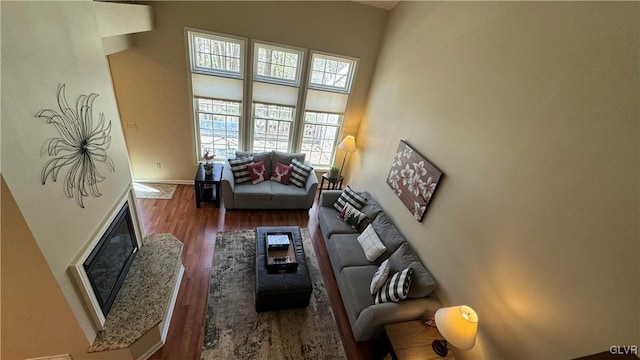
(348, 145)
(458, 325)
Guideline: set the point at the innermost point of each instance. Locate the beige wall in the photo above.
(150, 79)
(45, 44)
(36, 319)
(531, 111)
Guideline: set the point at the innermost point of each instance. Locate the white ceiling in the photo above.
(387, 5)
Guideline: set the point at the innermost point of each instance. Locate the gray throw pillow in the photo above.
(286, 157)
(422, 283)
(388, 234)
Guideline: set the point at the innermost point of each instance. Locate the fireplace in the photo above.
(101, 268)
(107, 264)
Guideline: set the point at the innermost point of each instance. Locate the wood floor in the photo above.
(197, 229)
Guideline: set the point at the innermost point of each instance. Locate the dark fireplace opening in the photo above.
(109, 261)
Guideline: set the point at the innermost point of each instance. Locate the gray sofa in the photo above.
(354, 272)
(267, 194)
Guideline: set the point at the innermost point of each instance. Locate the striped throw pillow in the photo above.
(240, 170)
(300, 173)
(396, 288)
(348, 196)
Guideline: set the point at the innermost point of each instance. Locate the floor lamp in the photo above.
(348, 145)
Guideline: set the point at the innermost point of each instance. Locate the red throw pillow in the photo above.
(281, 173)
(257, 172)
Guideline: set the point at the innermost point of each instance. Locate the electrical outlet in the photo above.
(158, 165)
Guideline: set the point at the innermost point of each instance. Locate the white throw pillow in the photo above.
(380, 277)
(371, 244)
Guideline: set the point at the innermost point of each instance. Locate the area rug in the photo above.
(235, 331)
(154, 191)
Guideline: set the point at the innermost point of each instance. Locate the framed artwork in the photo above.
(413, 179)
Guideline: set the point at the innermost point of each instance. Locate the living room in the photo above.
(517, 103)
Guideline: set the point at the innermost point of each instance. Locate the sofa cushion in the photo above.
(422, 283)
(281, 173)
(282, 192)
(349, 196)
(286, 157)
(370, 243)
(258, 156)
(355, 290)
(380, 277)
(396, 288)
(240, 170)
(388, 234)
(300, 173)
(258, 192)
(344, 251)
(330, 224)
(257, 172)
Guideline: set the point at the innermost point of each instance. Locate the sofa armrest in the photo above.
(370, 322)
(328, 197)
(228, 186)
(311, 186)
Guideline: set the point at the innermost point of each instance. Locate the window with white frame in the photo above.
(319, 136)
(277, 72)
(295, 103)
(217, 55)
(217, 72)
(277, 64)
(330, 79)
(331, 73)
(272, 127)
(218, 126)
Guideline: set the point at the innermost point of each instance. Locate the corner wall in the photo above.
(151, 79)
(45, 44)
(531, 109)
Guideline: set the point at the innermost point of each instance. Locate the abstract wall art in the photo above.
(413, 179)
(82, 144)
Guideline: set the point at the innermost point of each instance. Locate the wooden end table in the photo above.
(204, 184)
(412, 340)
(334, 183)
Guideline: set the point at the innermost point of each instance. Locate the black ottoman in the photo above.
(281, 290)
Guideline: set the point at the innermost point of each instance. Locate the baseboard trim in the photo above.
(157, 181)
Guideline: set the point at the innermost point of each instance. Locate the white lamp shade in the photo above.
(458, 325)
(348, 144)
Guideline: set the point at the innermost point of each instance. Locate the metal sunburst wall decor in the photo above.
(81, 146)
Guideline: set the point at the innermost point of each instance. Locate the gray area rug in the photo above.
(235, 331)
(154, 191)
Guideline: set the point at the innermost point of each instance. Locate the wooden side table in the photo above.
(334, 183)
(204, 185)
(412, 340)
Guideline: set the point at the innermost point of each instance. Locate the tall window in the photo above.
(217, 72)
(276, 83)
(330, 79)
(296, 99)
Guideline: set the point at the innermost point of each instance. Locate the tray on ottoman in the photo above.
(281, 289)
